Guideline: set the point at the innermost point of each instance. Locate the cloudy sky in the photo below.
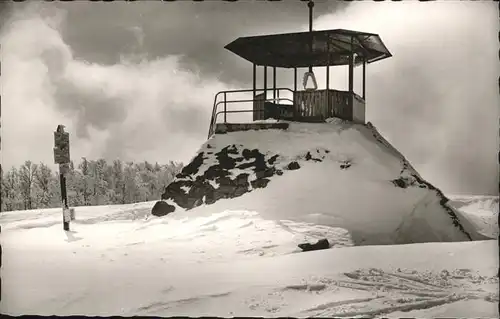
(136, 81)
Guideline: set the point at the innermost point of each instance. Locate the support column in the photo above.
(295, 79)
(262, 112)
(364, 79)
(329, 105)
(274, 83)
(295, 106)
(254, 92)
(265, 83)
(254, 81)
(351, 79)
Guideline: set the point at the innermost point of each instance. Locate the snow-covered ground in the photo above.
(118, 260)
(239, 256)
(482, 211)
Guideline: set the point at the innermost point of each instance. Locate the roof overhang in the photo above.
(316, 48)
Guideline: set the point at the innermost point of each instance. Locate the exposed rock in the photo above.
(260, 183)
(162, 208)
(193, 167)
(225, 161)
(402, 182)
(293, 166)
(345, 165)
(215, 171)
(272, 160)
(321, 244)
(188, 191)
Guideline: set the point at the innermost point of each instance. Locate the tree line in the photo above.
(91, 182)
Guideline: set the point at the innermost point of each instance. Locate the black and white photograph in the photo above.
(250, 158)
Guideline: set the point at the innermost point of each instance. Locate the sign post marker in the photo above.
(62, 157)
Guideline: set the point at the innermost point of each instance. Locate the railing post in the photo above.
(225, 108)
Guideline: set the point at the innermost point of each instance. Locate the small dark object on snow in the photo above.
(321, 244)
(345, 165)
(162, 208)
(293, 166)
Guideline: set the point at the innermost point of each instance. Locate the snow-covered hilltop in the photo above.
(336, 173)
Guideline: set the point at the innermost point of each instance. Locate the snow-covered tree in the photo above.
(92, 182)
(43, 179)
(131, 192)
(84, 185)
(26, 178)
(10, 190)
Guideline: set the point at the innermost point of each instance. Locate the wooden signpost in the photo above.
(62, 157)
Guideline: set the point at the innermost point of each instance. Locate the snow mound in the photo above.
(337, 174)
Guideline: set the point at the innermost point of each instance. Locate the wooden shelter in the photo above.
(325, 48)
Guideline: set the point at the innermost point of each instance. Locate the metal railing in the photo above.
(225, 102)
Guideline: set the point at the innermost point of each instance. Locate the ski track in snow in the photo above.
(397, 291)
(386, 292)
(405, 291)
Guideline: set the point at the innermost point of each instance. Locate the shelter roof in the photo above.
(316, 48)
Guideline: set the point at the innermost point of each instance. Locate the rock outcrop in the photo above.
(337, 173)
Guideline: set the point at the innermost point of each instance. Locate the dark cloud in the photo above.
(109, 67)
(196, 30)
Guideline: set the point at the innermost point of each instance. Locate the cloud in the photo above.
(437, 98)
(126, 109)
(138, 82)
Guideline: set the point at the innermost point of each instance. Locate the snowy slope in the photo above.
(482, 211)
(117, 260)
(335, 174)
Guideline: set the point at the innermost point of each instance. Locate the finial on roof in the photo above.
(310, 4)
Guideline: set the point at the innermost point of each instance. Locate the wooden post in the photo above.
(0, 149)
(64, 197)
(254, 103)
(364, 79)
(254, 81)
(328, 106)
(274, 84)
(265, 83)
(294, 79)
(351, 78)
(62, 157)
(294, 93)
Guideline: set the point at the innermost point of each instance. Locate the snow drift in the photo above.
(337, 174)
